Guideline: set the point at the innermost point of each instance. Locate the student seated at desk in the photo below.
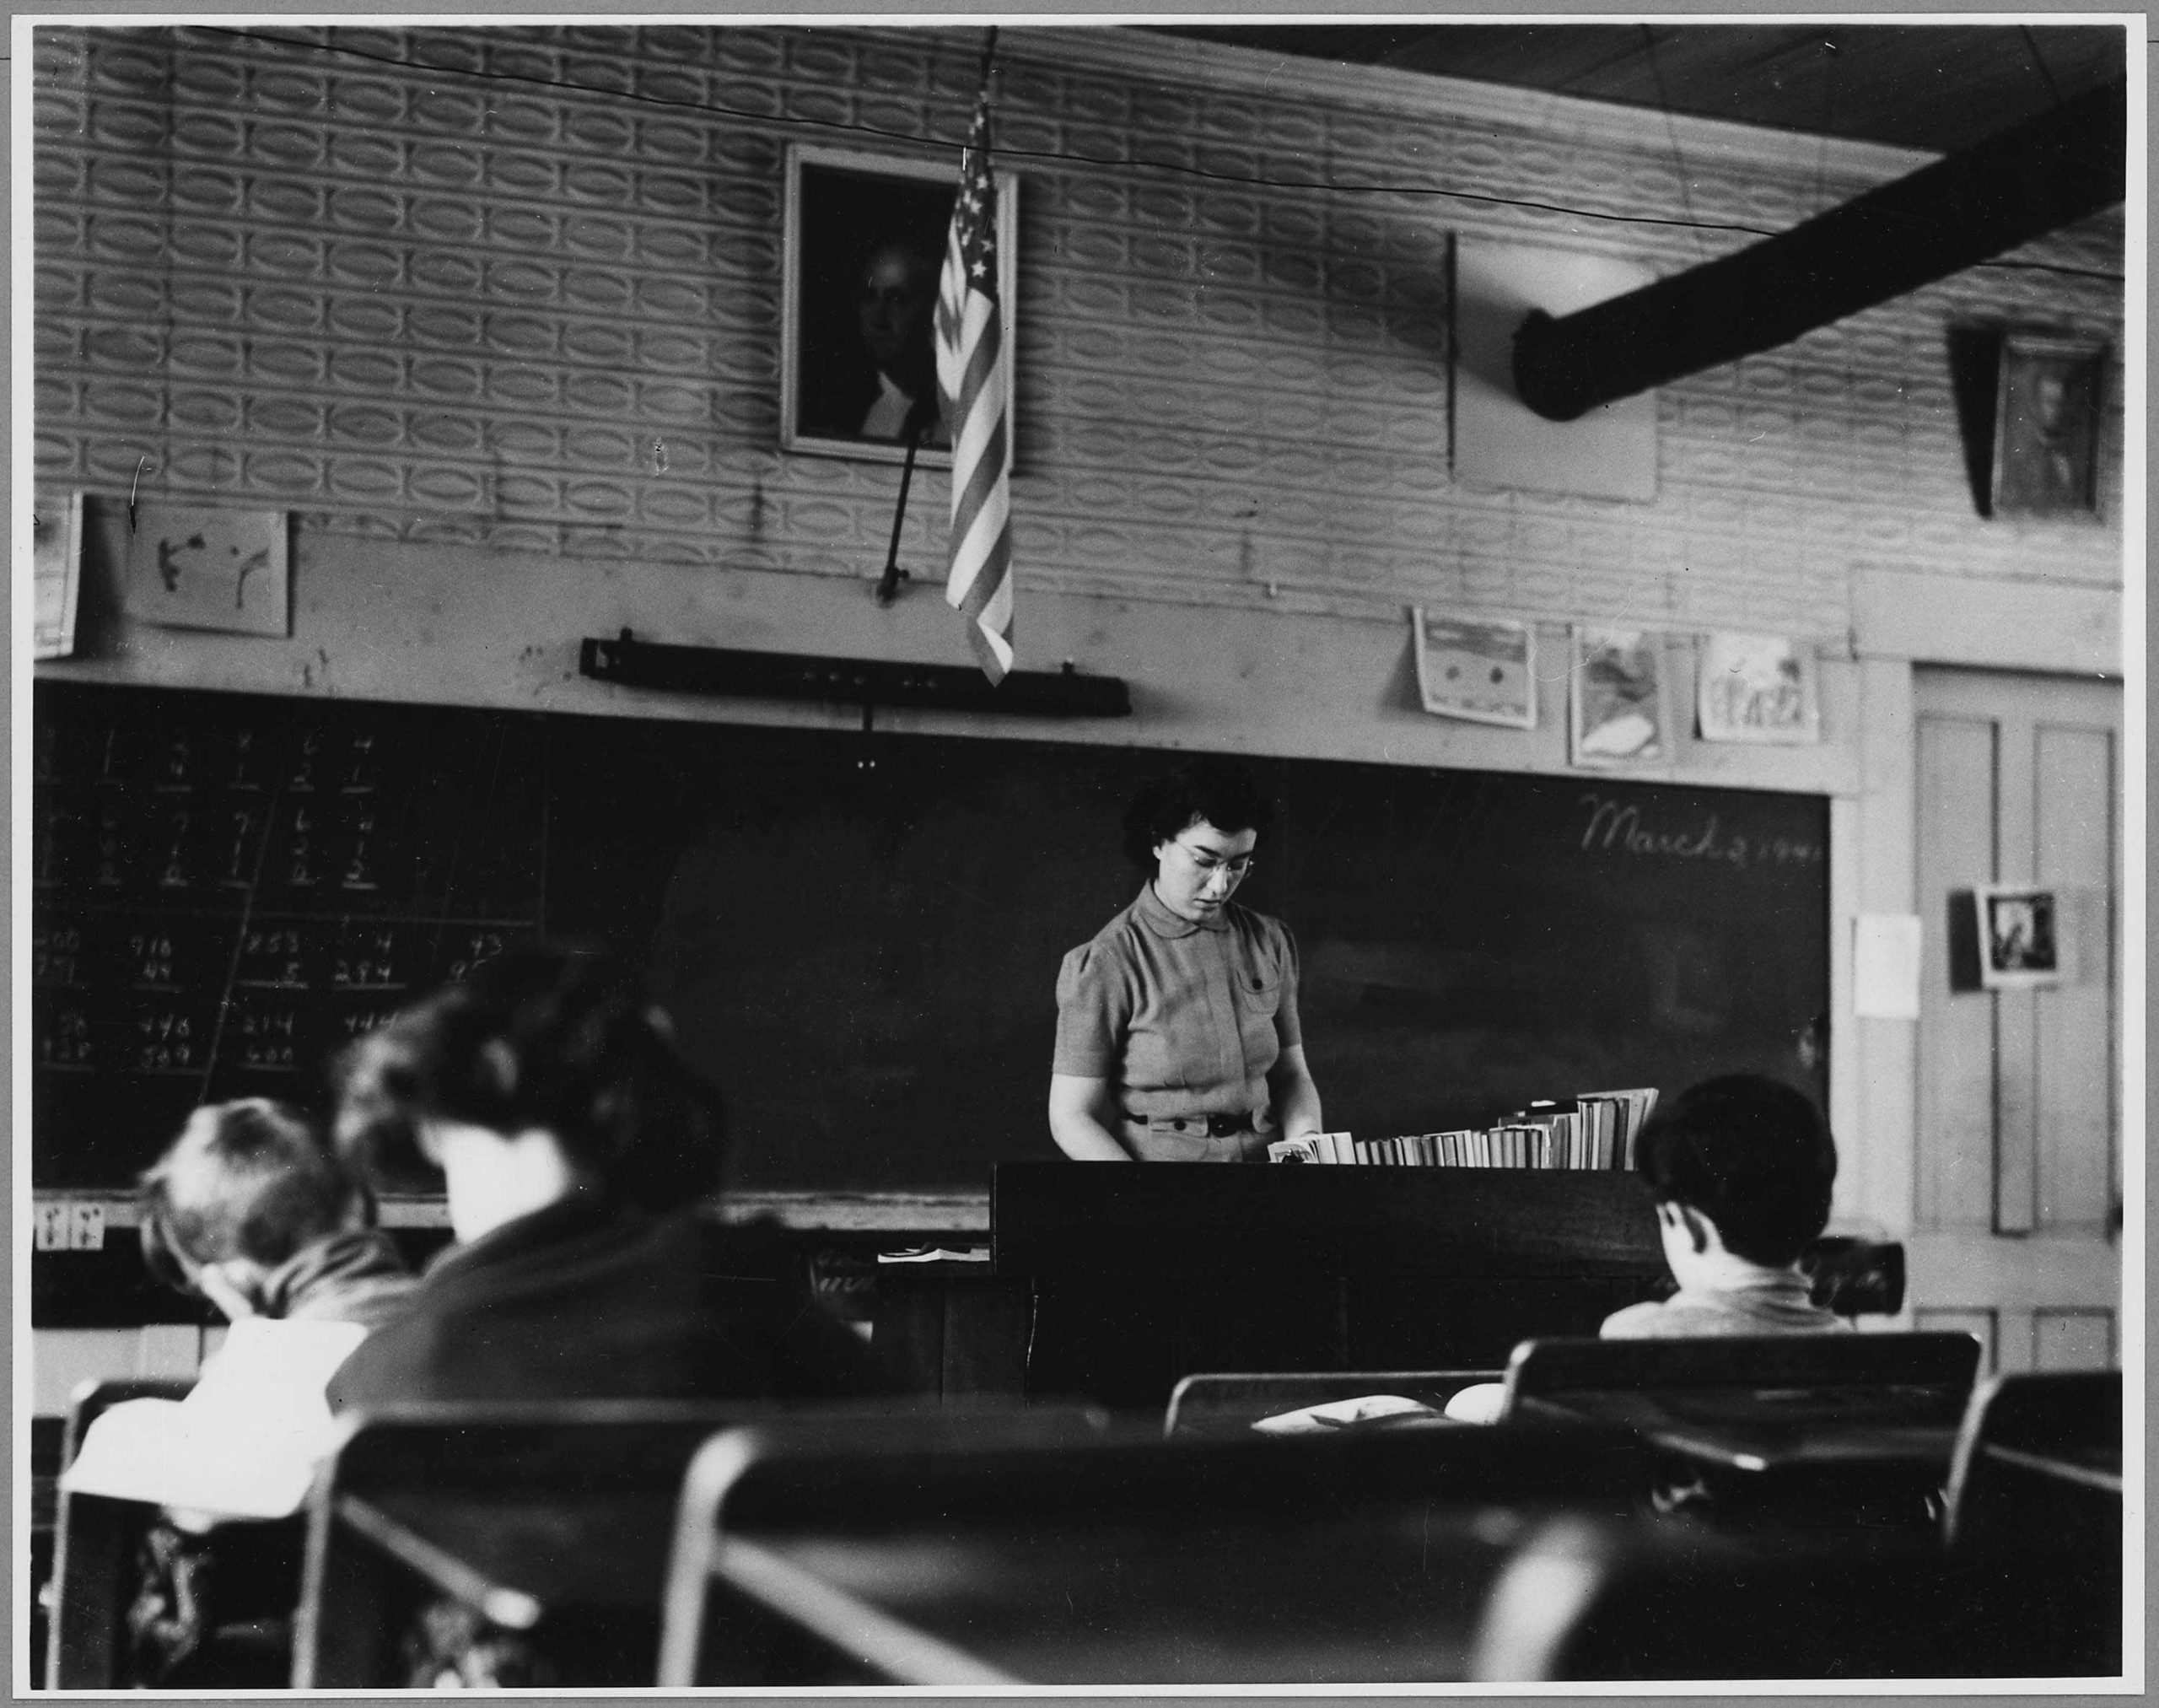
(249, 1209)
(1740, 1167)
(578, 1152)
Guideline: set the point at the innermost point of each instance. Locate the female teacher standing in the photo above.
(1177, 1038)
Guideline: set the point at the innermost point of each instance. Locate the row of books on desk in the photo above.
(1599, 1132)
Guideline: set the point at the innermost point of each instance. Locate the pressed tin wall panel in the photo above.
(407, 285)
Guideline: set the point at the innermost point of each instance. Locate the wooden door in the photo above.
(2016, 1202)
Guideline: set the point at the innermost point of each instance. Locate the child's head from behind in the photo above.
(547, 1038)
(1750, 1155)
(245, 1186)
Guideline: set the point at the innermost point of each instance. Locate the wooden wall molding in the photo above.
(2001, 625)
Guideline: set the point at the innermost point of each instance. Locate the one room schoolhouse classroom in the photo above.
(1616, 531)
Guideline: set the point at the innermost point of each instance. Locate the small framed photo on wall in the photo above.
(866, 235)
(2047, 426)
(2020, 929)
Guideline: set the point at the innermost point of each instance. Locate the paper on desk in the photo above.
(936, 1254)
(243, 1444)
(1886, 966)
(1364, 1412)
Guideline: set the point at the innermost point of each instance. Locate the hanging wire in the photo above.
(1671, 136)
(1828, 115)
(1247, 180)
(2039, 62)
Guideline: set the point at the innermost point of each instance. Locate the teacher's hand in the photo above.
(1080, 1114)
(1295, 1098)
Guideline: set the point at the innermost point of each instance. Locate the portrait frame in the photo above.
(2046, 458)
(841, 204)
(2020, 935)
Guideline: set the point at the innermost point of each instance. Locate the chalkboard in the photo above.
(857, 933)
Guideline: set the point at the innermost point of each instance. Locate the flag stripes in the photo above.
(971, 389)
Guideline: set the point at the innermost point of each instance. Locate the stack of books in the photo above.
(1599, 1132)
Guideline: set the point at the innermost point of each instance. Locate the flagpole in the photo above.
(888, 584)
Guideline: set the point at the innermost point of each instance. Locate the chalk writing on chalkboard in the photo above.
(228, 889)
(857, 935)
(1621, 826)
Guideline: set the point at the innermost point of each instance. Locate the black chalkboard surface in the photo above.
(858, 934)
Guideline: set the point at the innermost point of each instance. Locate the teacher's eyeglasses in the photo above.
(1209, 864)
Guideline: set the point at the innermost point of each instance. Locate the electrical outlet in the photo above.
(51, 1226)
(86, 1228)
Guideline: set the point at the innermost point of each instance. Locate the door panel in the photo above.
(2074, 834)
(1955, 1187)
(2072, 1340)
(2018, 1150)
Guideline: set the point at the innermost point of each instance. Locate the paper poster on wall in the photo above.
(191, 566)
(1482, 669)
(1498, 441)
(1757, 688)
(56, 569)
(1616, 705)
(1886, 966)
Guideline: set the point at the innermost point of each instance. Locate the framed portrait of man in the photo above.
(2045, 447)
(866, 235)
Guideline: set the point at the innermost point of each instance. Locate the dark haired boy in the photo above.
(1742, 1168)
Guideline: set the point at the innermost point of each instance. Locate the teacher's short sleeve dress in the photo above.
(1185, 1020)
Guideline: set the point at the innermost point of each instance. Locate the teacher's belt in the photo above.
(1193, 1138)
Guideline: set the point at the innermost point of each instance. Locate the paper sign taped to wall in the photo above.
(189, 567)
(56, 564)
(1886, 966)
(1481, 669)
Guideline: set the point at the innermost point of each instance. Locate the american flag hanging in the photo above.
(971, 390)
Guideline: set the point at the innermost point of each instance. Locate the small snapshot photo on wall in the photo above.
(2047, 432)
(1616, 706)
(1484, 671)
(866, 244)
(2020, 936)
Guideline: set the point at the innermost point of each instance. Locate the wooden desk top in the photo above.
(1356, 1598)
(1769, 1431)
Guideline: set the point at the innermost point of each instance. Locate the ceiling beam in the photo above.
(2028, 181)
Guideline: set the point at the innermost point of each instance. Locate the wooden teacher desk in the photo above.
(1133, 1277)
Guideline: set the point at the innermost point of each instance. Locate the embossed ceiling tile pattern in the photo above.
(558, 313)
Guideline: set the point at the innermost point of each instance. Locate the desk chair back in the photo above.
(1774, 1365)
(505, 1542)
(1656, 1601)
(94, 1552)
(460, 1523)
(1215, 1404)
(938, 1483)
(2039, 1465)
